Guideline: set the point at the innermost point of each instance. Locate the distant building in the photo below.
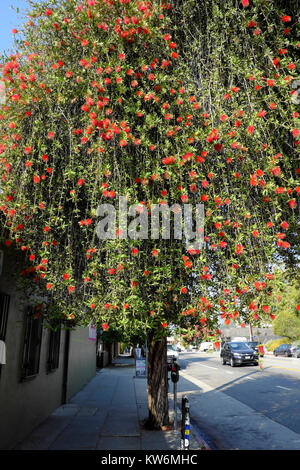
(40, 369)
(262, 334)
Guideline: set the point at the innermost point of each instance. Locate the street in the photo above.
(242, 398)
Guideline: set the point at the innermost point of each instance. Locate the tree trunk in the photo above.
(157, 385)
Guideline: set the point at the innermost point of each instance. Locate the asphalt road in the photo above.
(273, 392)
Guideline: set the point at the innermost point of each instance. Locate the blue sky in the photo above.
(10, 19)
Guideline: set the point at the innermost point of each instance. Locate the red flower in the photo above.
(239, 249)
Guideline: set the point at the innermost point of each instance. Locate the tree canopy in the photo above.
(185, 103)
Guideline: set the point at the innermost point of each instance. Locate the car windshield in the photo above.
(237, 346)
(171, 348)
(252, 343)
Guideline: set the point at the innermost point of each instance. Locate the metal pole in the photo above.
(185, 424)
(175, 407)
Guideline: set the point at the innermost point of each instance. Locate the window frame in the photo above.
(32, 344)
(4, 311)
(53, 348)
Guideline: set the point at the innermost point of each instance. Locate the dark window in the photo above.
(4, 307)
(32, 344)
(53, 351)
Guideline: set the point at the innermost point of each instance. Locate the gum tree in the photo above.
(151, 104)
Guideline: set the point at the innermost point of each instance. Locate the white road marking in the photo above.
(209, 367)
(284, 388)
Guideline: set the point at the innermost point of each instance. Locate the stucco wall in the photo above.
(82, 360)
(25, 404)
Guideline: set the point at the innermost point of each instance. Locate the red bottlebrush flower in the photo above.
(168, 160)
(239, 249)
(104, 326)
(245, 3)
(292, 203)
(286, 19)
(183, 290)
(218, 147)
(36, 179)
(48, 12)
(134, 251)
(261, 113)
(184, 198)
(51, 135)
(66, 276)
(164, 325)
(284, 225)
(80, 182)
(154, 253)
(71, 289)
(49, 286)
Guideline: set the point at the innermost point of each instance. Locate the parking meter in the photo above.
(175, 372)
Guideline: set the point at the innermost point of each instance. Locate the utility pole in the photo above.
(251, 332)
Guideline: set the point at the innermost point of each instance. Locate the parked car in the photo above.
(254, 345)
(295, 345)
(238, 353)
(296, 351)
(283, 350)
(172, 354)
(206, 346)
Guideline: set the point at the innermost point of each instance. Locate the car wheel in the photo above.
(223, 361)
(255, 363)
(232, 363)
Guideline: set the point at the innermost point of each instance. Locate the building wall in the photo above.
(25, 404)
(82, 360)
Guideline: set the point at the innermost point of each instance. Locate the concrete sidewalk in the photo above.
(107, 414)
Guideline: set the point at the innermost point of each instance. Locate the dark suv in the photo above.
(283, 350)
(237, 353)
